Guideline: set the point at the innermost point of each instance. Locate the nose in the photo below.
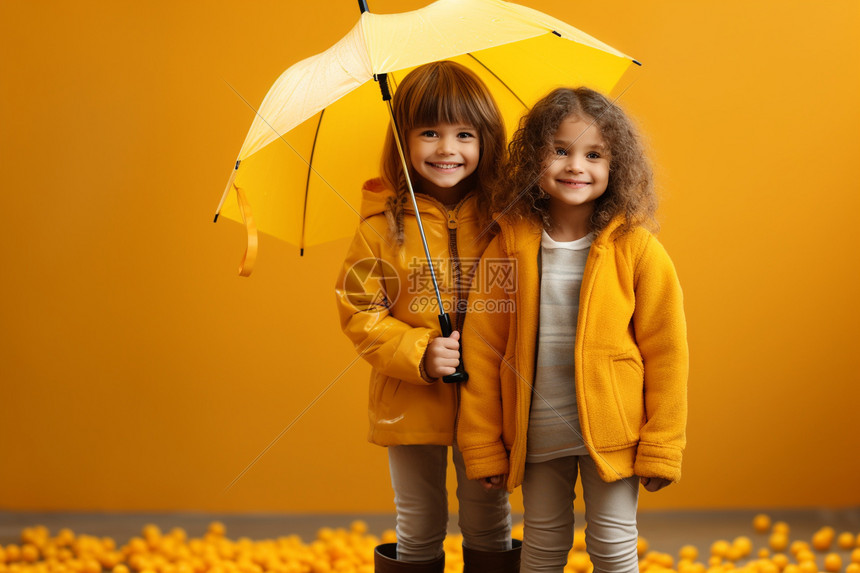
(573, 163)
(446, 145)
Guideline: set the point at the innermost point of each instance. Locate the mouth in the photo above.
(444, 166)
(573, 183)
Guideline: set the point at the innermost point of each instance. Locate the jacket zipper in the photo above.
(456, 272)
(454, 255)
(456, 276)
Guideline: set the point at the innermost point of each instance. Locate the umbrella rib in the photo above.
(501, 81)
(308, 183)
(281, 137)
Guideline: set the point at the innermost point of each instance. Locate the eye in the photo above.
(593, 155)
(561, 151)
(466, 135)
(428, 133)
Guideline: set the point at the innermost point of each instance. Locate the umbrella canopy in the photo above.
(319, 132)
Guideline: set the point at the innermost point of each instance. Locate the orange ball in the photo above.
(832, 562)
(151, 532)
(734, 554)
(779, 541)
(358, 526)
(110, 560)
(761, 523)
(780, 560)
(797, 546)
(743, 545)
(13, 553)
(216, 529)
(663, 559)
(137, 562)
(845, 541)
(720, 548)
(823, 538)
(65, 537)
(29, 553)
(580, 562)
(689, 552)
(137, 545)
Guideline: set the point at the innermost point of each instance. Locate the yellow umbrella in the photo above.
(293, 166)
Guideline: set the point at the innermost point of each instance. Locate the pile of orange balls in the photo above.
(781, 556)
(351, 551)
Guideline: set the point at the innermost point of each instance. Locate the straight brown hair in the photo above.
(443, 92)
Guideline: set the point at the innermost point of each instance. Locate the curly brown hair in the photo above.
(442, 92)
(630, 192)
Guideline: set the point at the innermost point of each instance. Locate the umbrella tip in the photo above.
(637, 62)
(556, 33)
(216, 217)
(301, 252)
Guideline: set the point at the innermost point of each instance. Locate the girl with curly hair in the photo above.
(578, 360)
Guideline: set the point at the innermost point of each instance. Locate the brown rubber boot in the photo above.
(475, 561)
(385, 561)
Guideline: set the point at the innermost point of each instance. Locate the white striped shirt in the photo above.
(554, 429)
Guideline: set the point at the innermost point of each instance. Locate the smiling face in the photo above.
(443, 157)
(576, 173)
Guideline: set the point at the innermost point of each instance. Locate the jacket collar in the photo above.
(524, 234)
(519, 235)
(607, 235)
(375, 195)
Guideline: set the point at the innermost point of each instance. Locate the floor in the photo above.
(665, 531)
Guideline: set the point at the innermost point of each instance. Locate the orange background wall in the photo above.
(139, 372)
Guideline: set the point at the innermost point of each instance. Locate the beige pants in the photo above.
(610, 517)
(418, 476)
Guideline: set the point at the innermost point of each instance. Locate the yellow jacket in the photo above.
(389, 310)
(631, 357)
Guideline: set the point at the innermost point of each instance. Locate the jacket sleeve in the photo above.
(485, 335)
(393, 347)
(661, 334)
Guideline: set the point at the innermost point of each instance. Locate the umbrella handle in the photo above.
(460, 375)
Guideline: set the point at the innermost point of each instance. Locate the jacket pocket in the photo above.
(628, 378)
(384, 407)
(615, 402)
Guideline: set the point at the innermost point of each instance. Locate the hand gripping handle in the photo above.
(460, 375)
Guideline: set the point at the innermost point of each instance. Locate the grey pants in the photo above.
(418, 476)
(610, 516)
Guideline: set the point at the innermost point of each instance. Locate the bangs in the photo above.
(447, 96)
